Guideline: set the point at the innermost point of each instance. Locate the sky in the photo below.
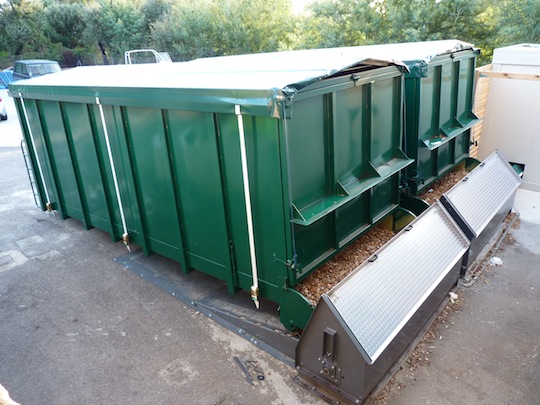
(298, 5)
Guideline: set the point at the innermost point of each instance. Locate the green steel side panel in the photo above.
(344, 142)
(91, 184)
(427, 92)
(270, 216)
(105, 168)
(229, 146)
(446, 110)
(385, 198)
(426, 165)
(152, 177)
(60, 156)
(40, 148)
(349, 143)
(353, 219)
(196, 165)
(308, 151)
(385, 117)
(462, 145)
(120, 151)
(466, 92)
(314, 243)
(438, 118)
(31, 153)
(345, 153)
(444, 157)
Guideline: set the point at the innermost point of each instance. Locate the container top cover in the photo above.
(260, 83)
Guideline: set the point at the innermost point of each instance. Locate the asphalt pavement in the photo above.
(78, 328)
(486, 349)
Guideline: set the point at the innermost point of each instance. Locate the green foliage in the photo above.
(22, 29)
(186, 31)
(155, 10)
(198, 28)
(520, 21)
(339, 23)
(116, 27)
(485, 23)
(78, 30)
(66, 23)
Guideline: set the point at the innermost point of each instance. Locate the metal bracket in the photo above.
(288, 263)
(329, 367)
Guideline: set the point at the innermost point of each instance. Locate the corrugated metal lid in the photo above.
(380, 297)
(481, 194)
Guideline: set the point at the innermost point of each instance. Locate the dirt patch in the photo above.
(341, 265)
(441, 186)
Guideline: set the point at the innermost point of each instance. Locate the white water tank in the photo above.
(512, 118)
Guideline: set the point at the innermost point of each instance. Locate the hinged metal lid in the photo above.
(378, 299)
(481, 194)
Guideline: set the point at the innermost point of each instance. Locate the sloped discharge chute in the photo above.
(361, 327)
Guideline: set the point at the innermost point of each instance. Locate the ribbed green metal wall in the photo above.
(438, 117)
(317, 180)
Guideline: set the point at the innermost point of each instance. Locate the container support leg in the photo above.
(125, 235)
(40, 170)
(249, 215)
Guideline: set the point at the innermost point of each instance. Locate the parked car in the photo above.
(26, 69)
(3, 112)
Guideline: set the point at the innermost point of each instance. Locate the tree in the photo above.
(334, 23)
(194, 29)
(360, 22)
(185, 31)
(520, 22)
(116, 27)
(67, 23)
(22, 29)
(155, 10)
(251, 26)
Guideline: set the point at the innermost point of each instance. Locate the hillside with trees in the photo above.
(76, 32)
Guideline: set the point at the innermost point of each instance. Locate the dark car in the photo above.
(26, 69)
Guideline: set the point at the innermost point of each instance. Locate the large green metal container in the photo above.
(155, 152)
(254, 169)
(438, 114)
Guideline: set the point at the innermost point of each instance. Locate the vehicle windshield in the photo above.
(43, 68)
